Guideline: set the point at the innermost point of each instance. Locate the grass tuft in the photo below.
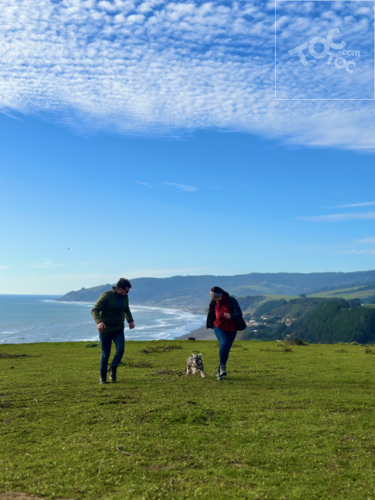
(161, 348)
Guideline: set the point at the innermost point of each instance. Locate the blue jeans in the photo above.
(226, 340)
(105, 344)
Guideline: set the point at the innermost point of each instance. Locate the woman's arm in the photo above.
(235, 310)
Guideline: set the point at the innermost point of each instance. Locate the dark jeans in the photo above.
(105, 344)
(226, 340)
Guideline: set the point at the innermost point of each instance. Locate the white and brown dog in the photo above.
(195, 364)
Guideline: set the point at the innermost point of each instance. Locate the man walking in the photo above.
(109, 314)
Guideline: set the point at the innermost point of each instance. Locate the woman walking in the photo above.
(225, 317)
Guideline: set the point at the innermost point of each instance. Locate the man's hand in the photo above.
(227, 315)
(131, 326)
(101, 326)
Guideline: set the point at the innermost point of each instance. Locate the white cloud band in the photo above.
(157, 66)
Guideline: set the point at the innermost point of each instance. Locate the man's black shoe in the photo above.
(112, 374)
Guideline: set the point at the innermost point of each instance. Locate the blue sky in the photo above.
(144, 139)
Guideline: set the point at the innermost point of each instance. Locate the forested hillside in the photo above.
(335, 321)
(315, 320)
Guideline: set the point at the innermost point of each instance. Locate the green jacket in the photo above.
(107, 310)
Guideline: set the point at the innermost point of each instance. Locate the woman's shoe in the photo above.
(112, 374)
(222, 370)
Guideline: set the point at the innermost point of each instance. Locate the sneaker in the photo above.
(112, 374)
(218, 375)
(102, 380)
(223, 370)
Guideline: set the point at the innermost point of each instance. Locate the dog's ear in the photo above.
(200, 354)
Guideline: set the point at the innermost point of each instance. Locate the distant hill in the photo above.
(192, 292)
(366, 293)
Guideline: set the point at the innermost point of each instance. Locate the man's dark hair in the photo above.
(123, 283)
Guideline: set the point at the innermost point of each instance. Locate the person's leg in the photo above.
(119, 341)
(230, 339)
(105, 344)
(222, 338)
(226, 340)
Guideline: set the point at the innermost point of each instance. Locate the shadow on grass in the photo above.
(179, 373)
(136, 364)
(11, 356)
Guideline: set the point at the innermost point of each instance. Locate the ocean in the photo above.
(37, 318)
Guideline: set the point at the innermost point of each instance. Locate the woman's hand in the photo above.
(227, 315)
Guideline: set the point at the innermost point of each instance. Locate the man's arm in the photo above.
(97, 309)
(129, 317)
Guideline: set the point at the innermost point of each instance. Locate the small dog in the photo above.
(195, 364)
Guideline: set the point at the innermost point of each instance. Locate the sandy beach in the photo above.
(200, 334)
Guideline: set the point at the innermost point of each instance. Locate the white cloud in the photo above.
(369, 251)
(365, 204)
(4, 267)
(162, 67)
(136, 19)
(366, 241)
(339, 217)
(182, 187)
(144, 184)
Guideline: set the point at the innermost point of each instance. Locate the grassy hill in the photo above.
(364, 293)
(192, 292)
(285, 424)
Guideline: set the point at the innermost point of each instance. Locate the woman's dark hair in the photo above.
(216, 289)
(123, 283)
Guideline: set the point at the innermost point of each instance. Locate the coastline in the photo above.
(199, 334)
(45, 319)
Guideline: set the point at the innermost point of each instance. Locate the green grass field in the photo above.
(268, 298)
(296, 425)
(346, 293)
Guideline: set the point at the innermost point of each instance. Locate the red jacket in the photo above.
(227, 324)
